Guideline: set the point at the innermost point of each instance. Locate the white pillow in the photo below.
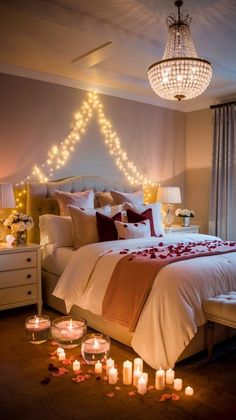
(133, 230)
(156, 214)
(85, 223)
(56, 230)
(133, 197)
(84, 199)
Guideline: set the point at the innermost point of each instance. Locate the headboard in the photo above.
(40, 199)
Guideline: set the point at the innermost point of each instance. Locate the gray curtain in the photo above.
(222, 220)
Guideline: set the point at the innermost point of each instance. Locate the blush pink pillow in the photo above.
(84, 199)
(106, 226)
(133, 230)
(133, 197)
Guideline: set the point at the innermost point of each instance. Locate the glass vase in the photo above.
(185, 221)
(20, 239)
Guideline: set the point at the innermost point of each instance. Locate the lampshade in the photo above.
(181, 74)
(170, 195)
(7, 198)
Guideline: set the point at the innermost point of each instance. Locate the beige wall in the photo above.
(198, 164)
(36, 115)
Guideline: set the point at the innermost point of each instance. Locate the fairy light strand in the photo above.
(60, 154)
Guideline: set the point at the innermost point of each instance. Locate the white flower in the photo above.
(184, 213)
(18, 222)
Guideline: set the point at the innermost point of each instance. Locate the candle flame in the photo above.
(96, 343)
(70, 325)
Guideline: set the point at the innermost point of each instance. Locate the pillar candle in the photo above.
(127, 372)
(62, 355)
(170, 375)
(136, 375)
(160, 379)
(59, 350)
(188, 391)
(178, 383)
(76, 365)
(138, 364)
(98, 367)
(142, 384)
(112, 376)
(109, 364)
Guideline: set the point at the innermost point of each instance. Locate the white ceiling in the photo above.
(41, 38)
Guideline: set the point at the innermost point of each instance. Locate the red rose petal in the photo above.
(61, 371)
(110, 394)
(131, 393)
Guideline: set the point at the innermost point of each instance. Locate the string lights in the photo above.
(59, 155)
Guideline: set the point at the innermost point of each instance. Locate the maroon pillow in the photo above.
(106, 227)
(134, 217)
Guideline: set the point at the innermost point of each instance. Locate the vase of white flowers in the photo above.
(19, 224)
(185, 215)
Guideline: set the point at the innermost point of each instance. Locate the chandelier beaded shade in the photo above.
(181, 74)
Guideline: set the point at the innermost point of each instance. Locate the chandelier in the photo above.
(181, 74)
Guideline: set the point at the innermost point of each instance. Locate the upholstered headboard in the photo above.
(40, 199)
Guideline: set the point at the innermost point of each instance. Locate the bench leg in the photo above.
(210, 338)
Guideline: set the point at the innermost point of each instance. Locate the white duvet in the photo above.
(173, 310)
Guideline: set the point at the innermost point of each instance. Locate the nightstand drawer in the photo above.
(18, 294)
(18, 277)
(18, 260)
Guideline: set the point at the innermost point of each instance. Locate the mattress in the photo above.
(54, 260)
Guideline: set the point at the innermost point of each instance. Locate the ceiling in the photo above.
(109, 44)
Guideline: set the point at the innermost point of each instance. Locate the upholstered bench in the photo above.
(222, 310)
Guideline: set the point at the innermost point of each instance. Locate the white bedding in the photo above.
(54, 260)
(173, 311)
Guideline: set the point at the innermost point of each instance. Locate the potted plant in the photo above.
(185, 215)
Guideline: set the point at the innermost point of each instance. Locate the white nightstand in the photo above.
(182, 229)
(20, 276)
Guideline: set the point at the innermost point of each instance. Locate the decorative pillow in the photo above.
(56, 230)
(85, 223)
(156, 214)
(133, 230)
(104, 198)
(134, 217)
(121, 197)
(83, 199)
(106, 227)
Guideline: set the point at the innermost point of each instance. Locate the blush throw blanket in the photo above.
(134, 274)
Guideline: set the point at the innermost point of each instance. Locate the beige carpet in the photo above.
(23, 366)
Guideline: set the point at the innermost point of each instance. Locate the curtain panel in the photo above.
(222, 218)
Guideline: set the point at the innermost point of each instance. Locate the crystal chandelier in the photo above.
(181, 74)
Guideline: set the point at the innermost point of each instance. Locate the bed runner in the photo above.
(134, 274)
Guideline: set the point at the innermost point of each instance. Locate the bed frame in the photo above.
(40, 201)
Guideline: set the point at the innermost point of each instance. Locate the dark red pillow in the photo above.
(134, 217)
(106, 227)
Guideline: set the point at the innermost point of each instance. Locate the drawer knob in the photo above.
(28, 276)
(29, 292)
(28, 259)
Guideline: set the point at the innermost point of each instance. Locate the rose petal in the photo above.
(175, 397)
(61, 371)
(45, 380)
(118, 388)
(87, 376)
(131, 393)
(53, 357)
(110, 394)
(66, 362)
(54, 343)
(78, 379)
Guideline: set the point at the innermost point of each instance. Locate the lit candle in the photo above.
(170, 375)
(178, 383)
(188, 391)
(62, 355)
(136, 376)
(98, 368)
(76, 365)
(112, 376)
(67, 332)
(127, 372)
(138, 364)
(59, 350)
(37, 328)
(95, 347)
(109, 364)
(142, 384)
(160, 379)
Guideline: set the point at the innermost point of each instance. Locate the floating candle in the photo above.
(95, 347)
(67, 332)
(37, 328)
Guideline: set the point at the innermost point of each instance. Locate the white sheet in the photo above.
(172, 313)
(54, 260)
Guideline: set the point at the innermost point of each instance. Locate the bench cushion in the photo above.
(221, 309)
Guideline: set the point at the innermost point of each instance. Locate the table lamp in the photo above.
(169, 196)
(7, 201)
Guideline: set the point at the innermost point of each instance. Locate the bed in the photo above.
(156, 338)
